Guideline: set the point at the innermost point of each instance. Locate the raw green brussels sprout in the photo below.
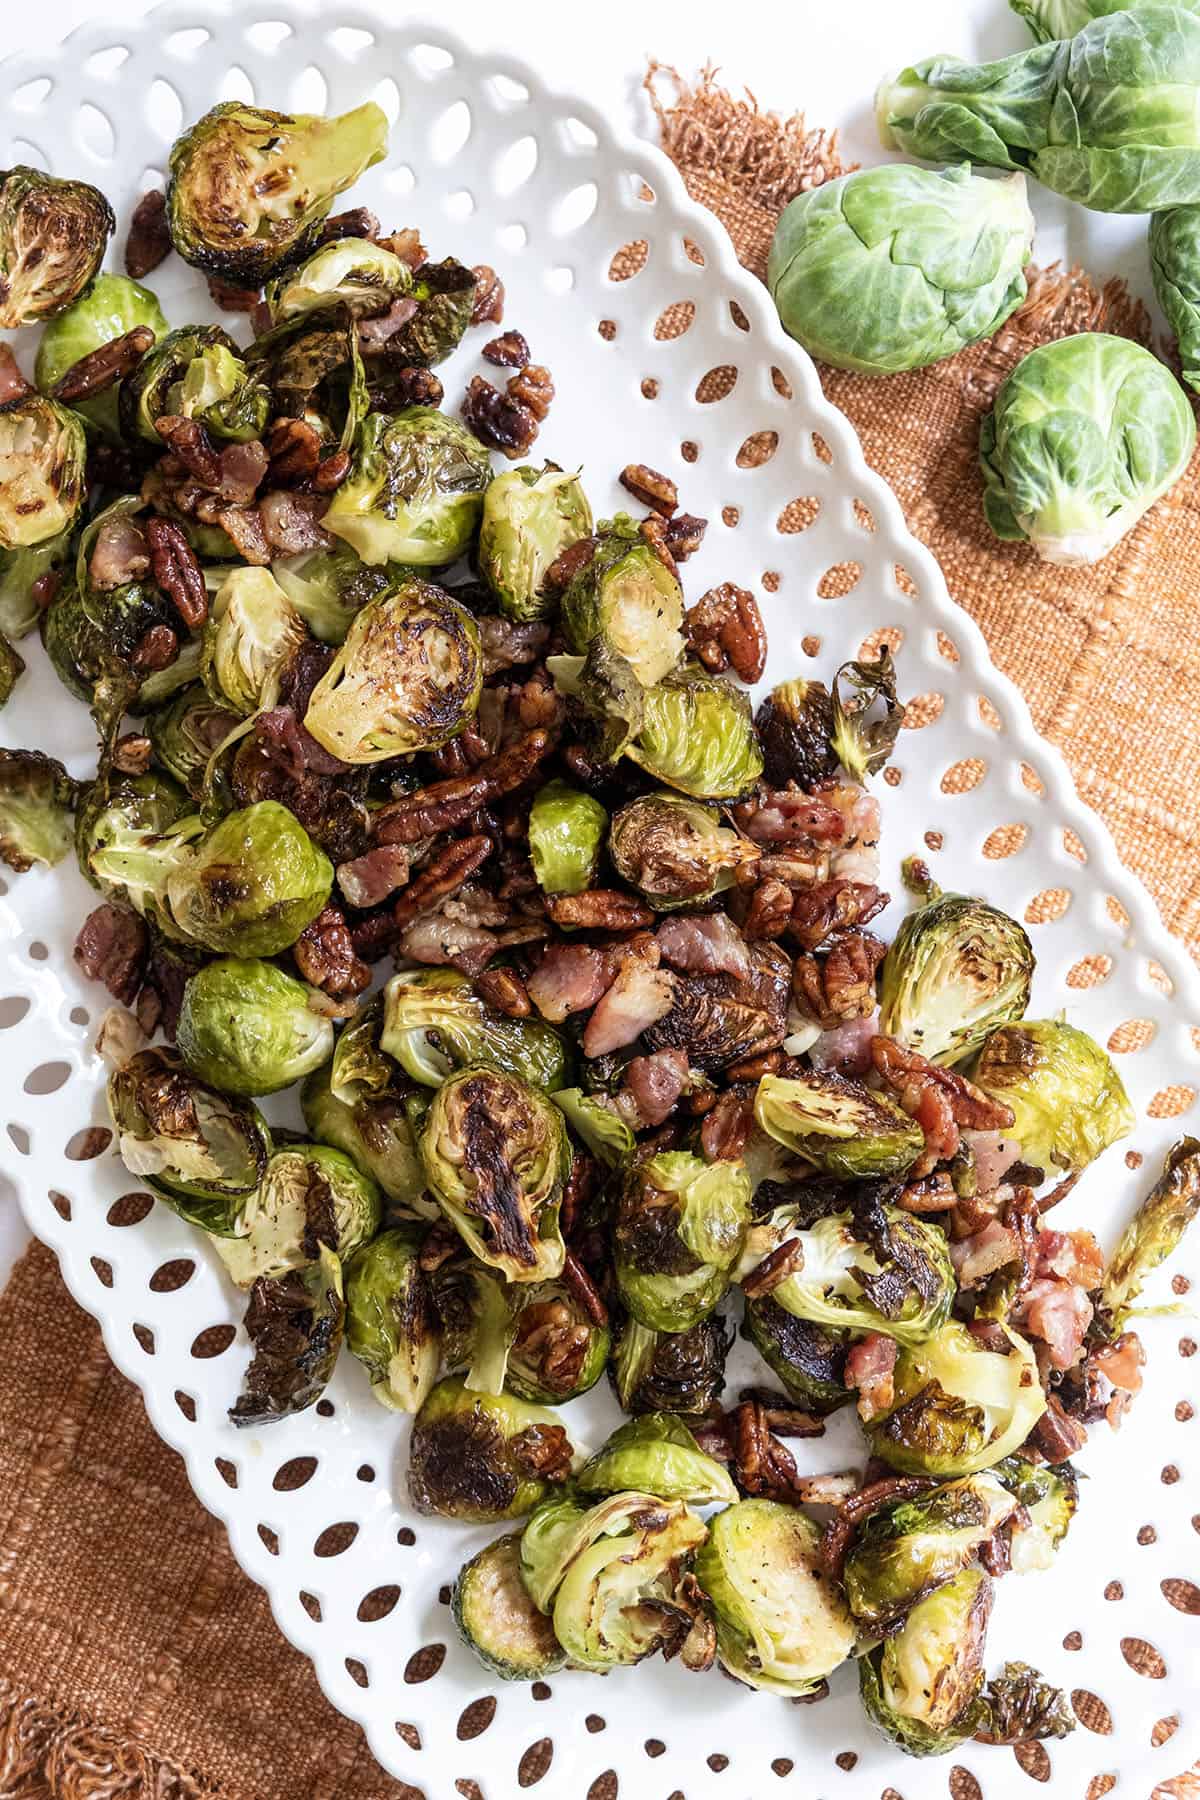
(921, 1687)
(496, 1156)
(252, 634)
(434, 1023)
(886, 1271)
(497, 1619)
(530, 516)
(52, 239)
(680, 1226)
(674, 851)
(1068, 1101)
(1020, 1707)
(697, 735)
(353, 273)
(1086, 434)
(375, 1133)
(203, 1151)
(186, 732)
(251, 884)
(558, 1349)
(43, 450)
(392, 1326)
(896, 267)
(600, 1129)
(1052, 19)
(37, 798)
(837, 1125)
(795, 728)
(666, 1371)
(119, 818)
(808, 1360)
(1049, 1494)
(781, 1623)
(415, 491)
(444, 294)
(566, 832)
(481, 1457)
(626, 599)
(906, 1551)
(112, 306)
(329, 588)
(406, 678)
(477, 1309)
(1175, 266)
(1152, 1234)
(247, 187)
(295, 1322)
(656, 1454)
(955, 970)
(247, 1027)
(958, 1407)
(195, 372)
(20, 611)
(308, 1195)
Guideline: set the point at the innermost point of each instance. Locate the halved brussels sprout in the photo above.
(415, 491)
(566, 831)
(497, 1619)
(558, 1349)
(922, 1686)
(1068, 1101)
(392, 1325)
(352, 273)
(329, 588)
(186, 732)
(444, 297)
(670, 1371)
(251, 884)
(838, 1125)
(955, 970)
(808, 1360)
(696, 735)
(656, 1454)
(112, 306)
(530, 516)
(496, 1157)
(1049, 1494)
(795, 728)
(20, 571)
(1153, 1233)
(627, 599)
(37, 798)
(958, 1407)
(248, 187)
(680, 1226)
(43, 452)
(906, 1551)
(52, 240)
(782, 1625)
(482, 1457)
(314, 371)
(375, 1133)
(434, 1023)
(600, 1129)
(407, 677)
(309, 1195)
(674, 851)
(130, 818)
(889, 1272)
(295, 1323)
(478, 1311)
(252, 634)
(249, 1028)
(195, 372)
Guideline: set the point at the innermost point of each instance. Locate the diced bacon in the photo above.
(119, 554)
(847, 1048)
(790, 816)
(980, 1255)
(438, 940)
(1123, 1362)
(994, 1155)
(1058, 1313)
(704, 944)
(857, 858)
(641, 995)
(1073, 1256)
(368, 880)
(656, 1082)
(290, 522)
(570, 978)
(870, 1366)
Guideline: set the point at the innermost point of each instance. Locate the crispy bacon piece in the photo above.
(656, 1082)
(570, 978)
(704, 944)
(940, 1100)
(641, 995)
(870, 1367)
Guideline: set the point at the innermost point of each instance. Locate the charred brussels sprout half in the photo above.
(415, 491)
(195, 372)
(481, 1457)
(53, 236)
(309, 1195)
(795, 728)
(921, 1687)
(392, 1326)
(477, 1309)
(530, 516)
(656, 1454)
(434, 1023)
(807, 1359)
(598, 1128)
(680, 1226)
(249, 1028)
(885, 1270)
(1049, 1494)
(112, 306)
(566, 832)
(497, 1619)
(251, 884)
(905, 1552)
(696, 735)
(663, 1371)
(118, 834)
(1068, 1101)
(375, 1133)
(1153, 1233)
(43, 451)
(186, 732)
(20, 571)
(955, 970)
(495, 1155)
(782, 1625)
(352, 273)
(252, 634)
(407, 677)
(329, 588)
(674, 851)
(837, 1125)
(37, 798)
(958, 1406)
(295, 1324)
(559, 1349)
(247, 187)
(626, 600)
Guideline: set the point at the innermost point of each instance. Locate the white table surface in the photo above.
(822, 57)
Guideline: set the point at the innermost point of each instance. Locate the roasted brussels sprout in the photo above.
(251, 884)
(314, 371)
(253, 633)
(808, 1360)
(351, 273)
(955, 970)
(566, 832)
(959, 1407)
(656, 1454)
(329, 588)
(674, 851)
(434, 1022)
(627, 599)
(496, 1156)
(43, 449)
(21, 571)
(559, 1348)
(52, 240)
(795, 728)
(392, 1325)
(497, 1618)
(921, 1687)
(128, 819)
(882, 1270)
(697, 735)
(482, 1457)
(37, 798)
(477, 1309)
(665, 1371)
(1069, 1102)
(1175, 266)
(309, 1195)
(680, 1226)
(838, 1125)
(89, 664)
(112, 306)
(530, 516)
(782, 1625)
(12, 667)
(415, 491)
(600, 1129)
(406, 678)
(906, 1551)
(1152, 1234)
(195, 372)
(295, 1323)
(186, 732)
(863, 738)
(444, 297)
(1049, 1494)
(375, 1133)
(248, 187)
(249, 1028)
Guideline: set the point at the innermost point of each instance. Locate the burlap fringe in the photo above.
(50, 1754)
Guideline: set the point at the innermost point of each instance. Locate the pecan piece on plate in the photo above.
(599, 909)
(504, 989)
(432, 810)
(653, 490)
(294, 450)
(840, 983)
(149, 240)
(508, 351)
(533, 389)
(726, 631)
(497, 421)
(684, 534)
(488, 305)
(175, 568)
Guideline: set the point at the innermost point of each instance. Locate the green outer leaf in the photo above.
(1175, 266)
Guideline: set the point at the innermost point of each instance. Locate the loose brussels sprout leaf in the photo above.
(889, 1272)
(566, 831)
(656, 1454)
(131, 820)
(329, 588)
(195, 372)
(252, 634)
(434, 1022)
(958, 1407)
(251, 884)
(37, 797)
(1069, 1102)
(955, 970)
(415, 491)
(558, 1348)
(497, 1619)
(680, 1227)
(52, 239)
(360, 1070)
(807, 1359)
(496, 1156)
(309, 1195)
(352, 273)
(600, 1129)
(552, 1536)
(782, 1625)
(679, 1372)
(392, 1326)
(186, 732)
(674, 851)
(1085, 435)
(112, 306)
(864, 744)
(1020, 1707)
(1175, 266)
(836, 1124)
(530, 516)
(896, 267)
(444, 296)
(1049, 1494)
(407, 677)
(377, 1137)
(249, 1028)
(21, 571)
(43, 450)
(295, 1323)
(905, 1552)
(1152, 1234)
(697, 735)
(202, 1151)
(795, 728)
(481, 1457)
(921, 1687)
(247, 187)
(478, 1312)
(628, 599)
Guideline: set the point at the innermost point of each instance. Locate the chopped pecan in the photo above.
(409, 386)
(769, 912)
(104, 367)
(653, 531)
(357, 222)
(599, 909)
(684, 534)
(332, 470)
(653, 490)
(783, 1261)
(829, 906)
(433, 810)
(499, 422)
(132, 753)
(325, 956)
(551, 1342)
(294, 450)
(576, 1277)
(156, 650)
(149, 240)
(840, 983)
(13, 385)
(753, 1068)
(567, 564)
(579, 1188)
(761, 1464)
(533, 389)
(229, 297)
(504, 989)
(488, 305)
(443, 875)
(112, 947)
(941, 1101)
(407, 245)
(888, 1489)
(727, 1127)
(932, 1193)
(543, 1450)
(188, 440)
(508, 351)
(175, 568)
(725, 630)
